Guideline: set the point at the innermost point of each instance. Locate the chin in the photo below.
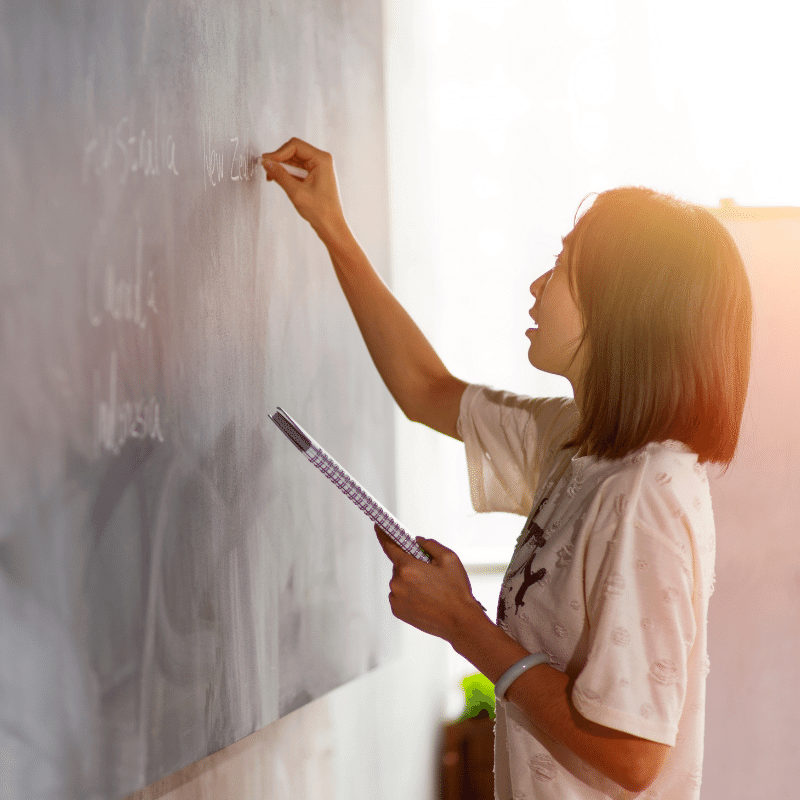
(543, 367)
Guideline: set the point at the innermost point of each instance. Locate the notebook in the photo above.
(348, 485)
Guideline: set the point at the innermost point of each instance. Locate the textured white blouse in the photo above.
(611, 576)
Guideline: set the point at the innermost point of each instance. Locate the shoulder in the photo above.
(509, 439)
(659, 490)
(519, 410)
(478, 395)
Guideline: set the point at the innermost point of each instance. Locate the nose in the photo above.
(538, 284)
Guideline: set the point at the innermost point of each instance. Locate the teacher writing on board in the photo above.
(598, 652)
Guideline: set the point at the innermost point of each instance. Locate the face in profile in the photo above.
(558, 325)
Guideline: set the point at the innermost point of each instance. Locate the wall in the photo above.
(753, 700)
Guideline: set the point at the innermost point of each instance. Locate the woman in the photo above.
(599, 651)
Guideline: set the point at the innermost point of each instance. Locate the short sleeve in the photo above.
(507, 437)
(638, 580)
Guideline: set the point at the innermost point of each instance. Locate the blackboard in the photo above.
(173, 575)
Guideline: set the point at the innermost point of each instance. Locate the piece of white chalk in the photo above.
(298, 172)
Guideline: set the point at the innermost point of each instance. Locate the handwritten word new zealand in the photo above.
(242, 160)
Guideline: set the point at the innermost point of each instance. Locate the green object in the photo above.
(479, 696)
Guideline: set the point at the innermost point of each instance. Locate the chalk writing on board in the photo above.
(119, 420)
(243, 164)
(122, 298)
(213, 168)
(125, 148)
(242, 159)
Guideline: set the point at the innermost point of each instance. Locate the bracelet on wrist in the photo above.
(515, 670)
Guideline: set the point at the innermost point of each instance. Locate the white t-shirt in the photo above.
(611, 576)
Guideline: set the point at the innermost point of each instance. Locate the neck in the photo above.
(577, 393)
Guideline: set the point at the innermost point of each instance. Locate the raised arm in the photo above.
(412, 371)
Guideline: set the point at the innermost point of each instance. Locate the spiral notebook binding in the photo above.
(301, 442)
(347, 484)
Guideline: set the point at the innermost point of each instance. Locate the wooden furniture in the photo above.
(467, 767)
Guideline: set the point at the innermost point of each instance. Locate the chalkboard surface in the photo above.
(173, 574)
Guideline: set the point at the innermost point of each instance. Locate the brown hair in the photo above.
(667, 325)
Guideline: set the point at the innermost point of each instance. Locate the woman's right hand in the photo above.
(316, 197)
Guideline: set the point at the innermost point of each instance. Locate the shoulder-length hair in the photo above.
(667, 317)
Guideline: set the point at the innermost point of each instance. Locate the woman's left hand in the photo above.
(432, 597)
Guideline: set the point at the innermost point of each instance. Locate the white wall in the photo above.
(753, 700)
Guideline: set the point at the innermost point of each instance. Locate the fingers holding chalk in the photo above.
(270, 166)
(308, 177)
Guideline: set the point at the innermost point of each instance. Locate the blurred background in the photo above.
(502, 117)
